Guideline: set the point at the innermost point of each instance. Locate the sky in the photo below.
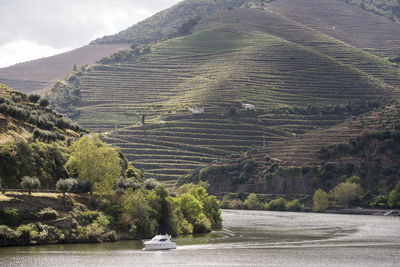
(31, 29)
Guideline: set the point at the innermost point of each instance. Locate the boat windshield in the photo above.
(163, 239)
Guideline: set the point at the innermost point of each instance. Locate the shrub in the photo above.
(150, 184)
(16, 98)
(252, 202)
(203, 225)
(320, 201)
(8, 237)
(87, 217)
(277, 204)
(236, 204)
(48, 214)
(294, 205)
(354, 179)
(34, 98)
(185, 227)
(44, 102)
(9, 216)
(394, 199)
(27, 233)
(30, 183)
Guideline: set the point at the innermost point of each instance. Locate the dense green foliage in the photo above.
(66, 98)
(28, 158)
(92, 160)
(320, 201)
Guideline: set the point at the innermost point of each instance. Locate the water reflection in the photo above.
(249, 238)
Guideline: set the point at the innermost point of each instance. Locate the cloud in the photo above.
(24, 50)
(56, 24)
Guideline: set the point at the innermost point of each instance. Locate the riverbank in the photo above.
(366, 211)
(51, 218)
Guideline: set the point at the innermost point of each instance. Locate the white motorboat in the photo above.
(159, 242)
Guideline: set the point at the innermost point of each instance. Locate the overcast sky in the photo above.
(31, 29)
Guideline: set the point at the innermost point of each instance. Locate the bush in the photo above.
(277, 204)
(9, 216)
(320, 200)
(294, 205)
(34, 98)
(202, 226)
(47, 214)
(44, 102)
(394, 199)
(8, 237)
(236, 204)
(27, 233)
(88, 217)
(252, 202)
(150, 184)
(16, 98)
(185, 227)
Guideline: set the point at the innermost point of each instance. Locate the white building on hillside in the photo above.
(248, 106)
(196, 110)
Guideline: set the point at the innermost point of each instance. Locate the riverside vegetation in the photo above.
(103, 197)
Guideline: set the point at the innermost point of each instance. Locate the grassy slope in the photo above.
(12, 129)
(234, 57)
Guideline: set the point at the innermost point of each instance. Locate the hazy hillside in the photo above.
(347, 23)
(298, 78)
(41, 73)
(387, 8)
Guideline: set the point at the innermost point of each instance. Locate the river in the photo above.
(249, 238)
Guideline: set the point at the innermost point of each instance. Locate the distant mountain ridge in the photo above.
(167, 22)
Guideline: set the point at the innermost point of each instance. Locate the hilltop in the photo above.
(298, 77)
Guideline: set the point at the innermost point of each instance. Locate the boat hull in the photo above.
(160, 246)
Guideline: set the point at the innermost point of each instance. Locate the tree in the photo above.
(394, 199)
(346, 192)
(277, 204)
(44, 102)
(252, 202)
(96, 162)
(64, 186)
(30, 183)
(34, 98)
(320, 201)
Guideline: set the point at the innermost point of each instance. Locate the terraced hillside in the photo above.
(35, 75)
(298, 78)
(303, 149)
(347, 23)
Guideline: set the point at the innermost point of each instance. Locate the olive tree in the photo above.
(30, 183)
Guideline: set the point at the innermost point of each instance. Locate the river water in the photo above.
(249, 238)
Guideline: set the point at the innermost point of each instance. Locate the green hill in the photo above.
(298, 79)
